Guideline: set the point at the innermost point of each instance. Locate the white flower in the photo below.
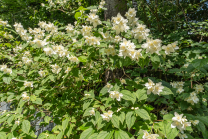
(25, 96)
(123, 81)
(87, 95)
(174, 45)
(42, 73)
(68, 70)
(69, 28)
(180, 90)
(204, 100)
(116, 95)
(17, 122)
(152, 46)
(150, 84)
(163, 112)
(108, 86)
(49, 51)
(28, 84)
(73, 59)
(168, 49)
(92, 112)
(199, 88)
(56, 69)
(107, 116)
(195, 122)
(118, 109)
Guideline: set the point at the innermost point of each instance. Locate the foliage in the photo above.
(58, 74)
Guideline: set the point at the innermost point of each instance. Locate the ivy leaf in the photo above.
(141, 94)
(115, 121)
(26, 126)
(87, 133)
(143, 114)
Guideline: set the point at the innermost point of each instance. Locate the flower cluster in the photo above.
(50, 27)
(178, 85)
(26, 61)
(60, 51)
(28, 84)
(199, 88)
(119, 24)
(107, 116)
(70, 28)
(92, 40)
(180, 122)
(152, 46)
(110, 51)
(93, 18)
(116, 95)
(182, 136)
(25, 96)
(56, 69)
(102, 3)
(128, 49)
(154, 88)
(4, 23)
(149, 136)
(140, 32)
(73, 59)
(37, 32)
(8, 36)
(22, 32)
(130, 15)
(194, 122)
(193, 99)
(163, 112)
(170, 48)
(86, 31)
(5, 69)
(42, 73)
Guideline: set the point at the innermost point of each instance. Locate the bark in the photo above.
(114, 7)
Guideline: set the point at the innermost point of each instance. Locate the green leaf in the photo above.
(155, 58)
(141, 94)
(127, 95)
(33, 98)
(87, 133)
(104, 90)
(70, 130)
(93, 136)
(10, 119)
(38, 101)
(198, 63)
(105, 135)
(52, 78)
(122, 117)
(60, 135)
(77, 15)
(26, 126)
(7, 80)
(201, 127)
(65, 124)
(47, 119)
(82, 59)
(166, 91)
(115, 121)
(2, 135)
(86, 104)
(203, 119)
(143, 114)
(121, 135)
(130, 119)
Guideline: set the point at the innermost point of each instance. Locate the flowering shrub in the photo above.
(57, 74)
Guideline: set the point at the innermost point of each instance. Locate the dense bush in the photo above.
(101, 79)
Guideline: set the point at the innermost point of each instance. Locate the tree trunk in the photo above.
(114, 7)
